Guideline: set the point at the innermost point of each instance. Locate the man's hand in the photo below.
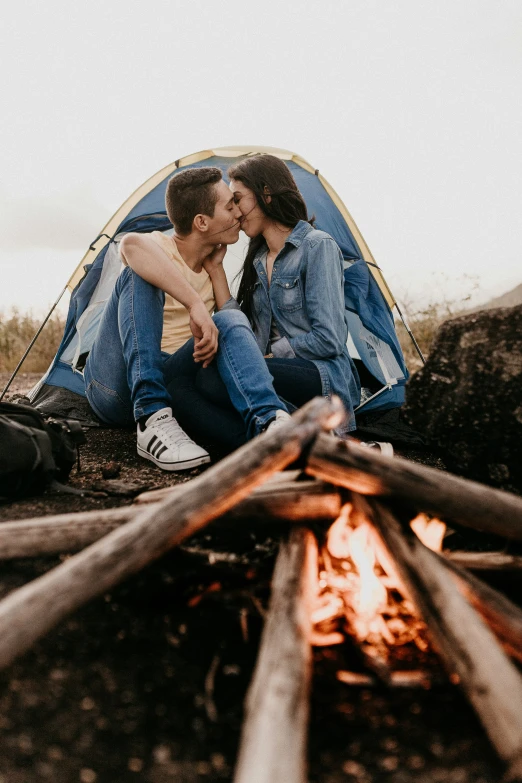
(215, 259)
(205, 334)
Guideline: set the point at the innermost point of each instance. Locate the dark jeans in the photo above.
(202, 404)
(126, 373)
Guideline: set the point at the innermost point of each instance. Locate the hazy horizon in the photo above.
(412, 112)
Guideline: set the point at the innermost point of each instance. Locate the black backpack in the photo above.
(34, 452)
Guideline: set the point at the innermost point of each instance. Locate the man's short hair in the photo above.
(190, 193)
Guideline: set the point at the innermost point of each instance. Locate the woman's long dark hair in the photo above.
(266, 175)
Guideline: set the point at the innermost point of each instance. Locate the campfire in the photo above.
(374, 578)
(359, 594)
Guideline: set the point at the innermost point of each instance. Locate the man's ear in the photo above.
(200, 223)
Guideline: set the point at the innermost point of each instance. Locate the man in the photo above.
(158, 325)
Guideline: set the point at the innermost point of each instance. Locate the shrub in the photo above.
(16, 332)
(425, 320)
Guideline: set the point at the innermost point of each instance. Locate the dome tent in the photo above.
(369, 301)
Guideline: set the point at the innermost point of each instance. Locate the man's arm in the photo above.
(150, 262)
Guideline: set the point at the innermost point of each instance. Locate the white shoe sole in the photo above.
(386, 449)
(172, 466)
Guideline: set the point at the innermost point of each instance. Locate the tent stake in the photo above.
(35, 338)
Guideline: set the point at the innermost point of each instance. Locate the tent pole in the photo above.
(22, 360)
(414, 341)
(388, 387)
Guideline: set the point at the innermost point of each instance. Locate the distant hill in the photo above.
(509, 299)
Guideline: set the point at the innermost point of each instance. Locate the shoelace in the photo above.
(170, 433)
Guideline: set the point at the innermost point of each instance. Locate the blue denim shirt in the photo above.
(306, 300)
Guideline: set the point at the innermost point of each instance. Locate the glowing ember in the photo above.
(430, 531)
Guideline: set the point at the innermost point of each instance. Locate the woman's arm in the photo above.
(214, 267)
(323, 302)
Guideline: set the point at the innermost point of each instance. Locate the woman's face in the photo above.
(253, 220)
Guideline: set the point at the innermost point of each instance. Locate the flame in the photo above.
(338, 538)
(358, 589)
(372, 594)
(430, 531)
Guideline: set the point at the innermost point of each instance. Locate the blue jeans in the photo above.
(127, 373)
(202, 405)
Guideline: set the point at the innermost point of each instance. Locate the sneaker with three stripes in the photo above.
(163, 442)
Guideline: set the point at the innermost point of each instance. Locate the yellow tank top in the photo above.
(176, 329)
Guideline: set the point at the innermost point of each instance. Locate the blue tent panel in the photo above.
(372, 330)
(64, 376)
(363, 296)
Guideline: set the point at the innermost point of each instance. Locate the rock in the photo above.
(121, 488)
(467, 399)
(111, 470)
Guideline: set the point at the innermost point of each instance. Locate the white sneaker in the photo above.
(380, 445)
(164, 443)
(281, 418)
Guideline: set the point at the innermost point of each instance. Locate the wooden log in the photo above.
(292, 502)
(280, 477)
(426, 489)
(485, 561)
(281, 501)
(28, 613)
(273, 739)
(471, 654)
(502, 615)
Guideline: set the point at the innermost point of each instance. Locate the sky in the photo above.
(412, 111)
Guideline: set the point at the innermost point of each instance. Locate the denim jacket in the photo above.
(306, 300)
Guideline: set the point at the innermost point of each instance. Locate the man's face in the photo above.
(223, 227)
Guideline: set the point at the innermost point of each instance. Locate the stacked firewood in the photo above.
(476, 631)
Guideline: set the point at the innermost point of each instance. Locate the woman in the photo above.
(291, 290)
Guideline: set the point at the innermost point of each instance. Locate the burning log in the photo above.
(289, 501)
(273, 741)
(455, 499)
(28, 613)
(469, 650)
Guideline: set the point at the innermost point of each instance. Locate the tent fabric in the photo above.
(372, 331)
(368, 298)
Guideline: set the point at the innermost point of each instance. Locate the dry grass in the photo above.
(425, 321)
(424, 324)
(16, 332)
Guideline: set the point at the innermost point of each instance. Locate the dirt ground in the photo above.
(147, 683)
